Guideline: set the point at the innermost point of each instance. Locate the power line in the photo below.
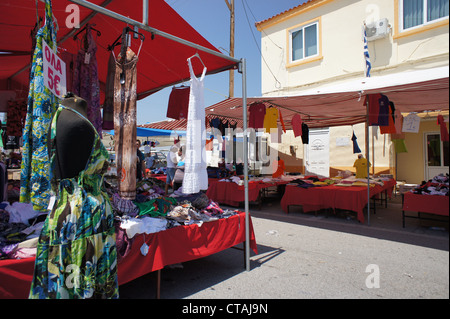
(256, 42)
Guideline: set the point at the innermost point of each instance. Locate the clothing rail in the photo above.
(242, 68)
(145, 27)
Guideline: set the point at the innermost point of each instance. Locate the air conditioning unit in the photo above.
(377, 30)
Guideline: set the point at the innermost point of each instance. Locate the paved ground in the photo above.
(303, 256)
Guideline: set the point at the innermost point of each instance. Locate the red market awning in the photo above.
(343, 104)
(162, 62)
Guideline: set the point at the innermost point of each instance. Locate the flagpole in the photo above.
(368, 67)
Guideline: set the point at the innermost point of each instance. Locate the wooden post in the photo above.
(232, 23)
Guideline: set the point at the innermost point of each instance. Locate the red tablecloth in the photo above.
(161, 177)
(432, 204)
(232, 194)
(353, 198)
(175, 245)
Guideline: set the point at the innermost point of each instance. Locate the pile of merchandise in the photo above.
(438, 185)
(150, 212)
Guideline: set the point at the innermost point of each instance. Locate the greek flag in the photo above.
(366, 55)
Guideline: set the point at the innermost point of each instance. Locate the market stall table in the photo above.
(232, 194)
(161, 177)
(171, 246)
(352, 198)
(431, 204)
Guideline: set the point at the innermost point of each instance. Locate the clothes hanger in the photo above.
(127, 29)
(76, 34)
(198, 56)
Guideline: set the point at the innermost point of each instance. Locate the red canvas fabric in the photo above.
(175, 245)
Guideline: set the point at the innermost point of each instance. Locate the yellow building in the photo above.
(319, 43)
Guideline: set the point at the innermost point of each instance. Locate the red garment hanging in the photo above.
(296, 123)
(178, 103)
(444, 132)
(281, 121)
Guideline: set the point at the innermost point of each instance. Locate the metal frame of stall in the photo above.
(242, 69)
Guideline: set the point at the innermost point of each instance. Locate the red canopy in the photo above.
(342, 104)
(162, 62)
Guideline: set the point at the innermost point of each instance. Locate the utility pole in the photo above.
(230, 5)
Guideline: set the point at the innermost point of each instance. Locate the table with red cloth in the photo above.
(431, 204)
(161, 177)
(171, 246)
(352, 198)
(232, 194)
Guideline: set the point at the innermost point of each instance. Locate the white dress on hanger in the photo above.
(195, 174)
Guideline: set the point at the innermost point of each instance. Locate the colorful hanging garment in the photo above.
(76, 254)
(125, 86)
(85, 79)
(42, 104)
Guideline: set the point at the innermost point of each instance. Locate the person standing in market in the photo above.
(171, 166)
(140, 161)
(361, 166)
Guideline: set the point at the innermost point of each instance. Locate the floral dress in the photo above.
(42, 104)
(76, 255)
(85, 79)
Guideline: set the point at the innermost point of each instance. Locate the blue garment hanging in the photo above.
(355, 144)
(42, 104)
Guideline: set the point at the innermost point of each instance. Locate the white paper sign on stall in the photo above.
(54, 71)
(411, 123)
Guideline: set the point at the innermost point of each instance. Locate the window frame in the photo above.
(303, 26)
(400, 32)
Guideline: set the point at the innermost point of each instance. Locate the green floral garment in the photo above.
(76, 255)
(41, 105)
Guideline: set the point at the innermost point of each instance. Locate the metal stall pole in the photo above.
(244, 118)
(142, 26)
(367, 158)
(241, 63)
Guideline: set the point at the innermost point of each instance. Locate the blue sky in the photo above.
(211, 18)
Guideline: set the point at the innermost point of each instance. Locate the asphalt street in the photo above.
(323, 256)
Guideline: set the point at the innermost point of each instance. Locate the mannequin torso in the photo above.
(74, 139)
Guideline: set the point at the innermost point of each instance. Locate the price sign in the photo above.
(54, 71)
